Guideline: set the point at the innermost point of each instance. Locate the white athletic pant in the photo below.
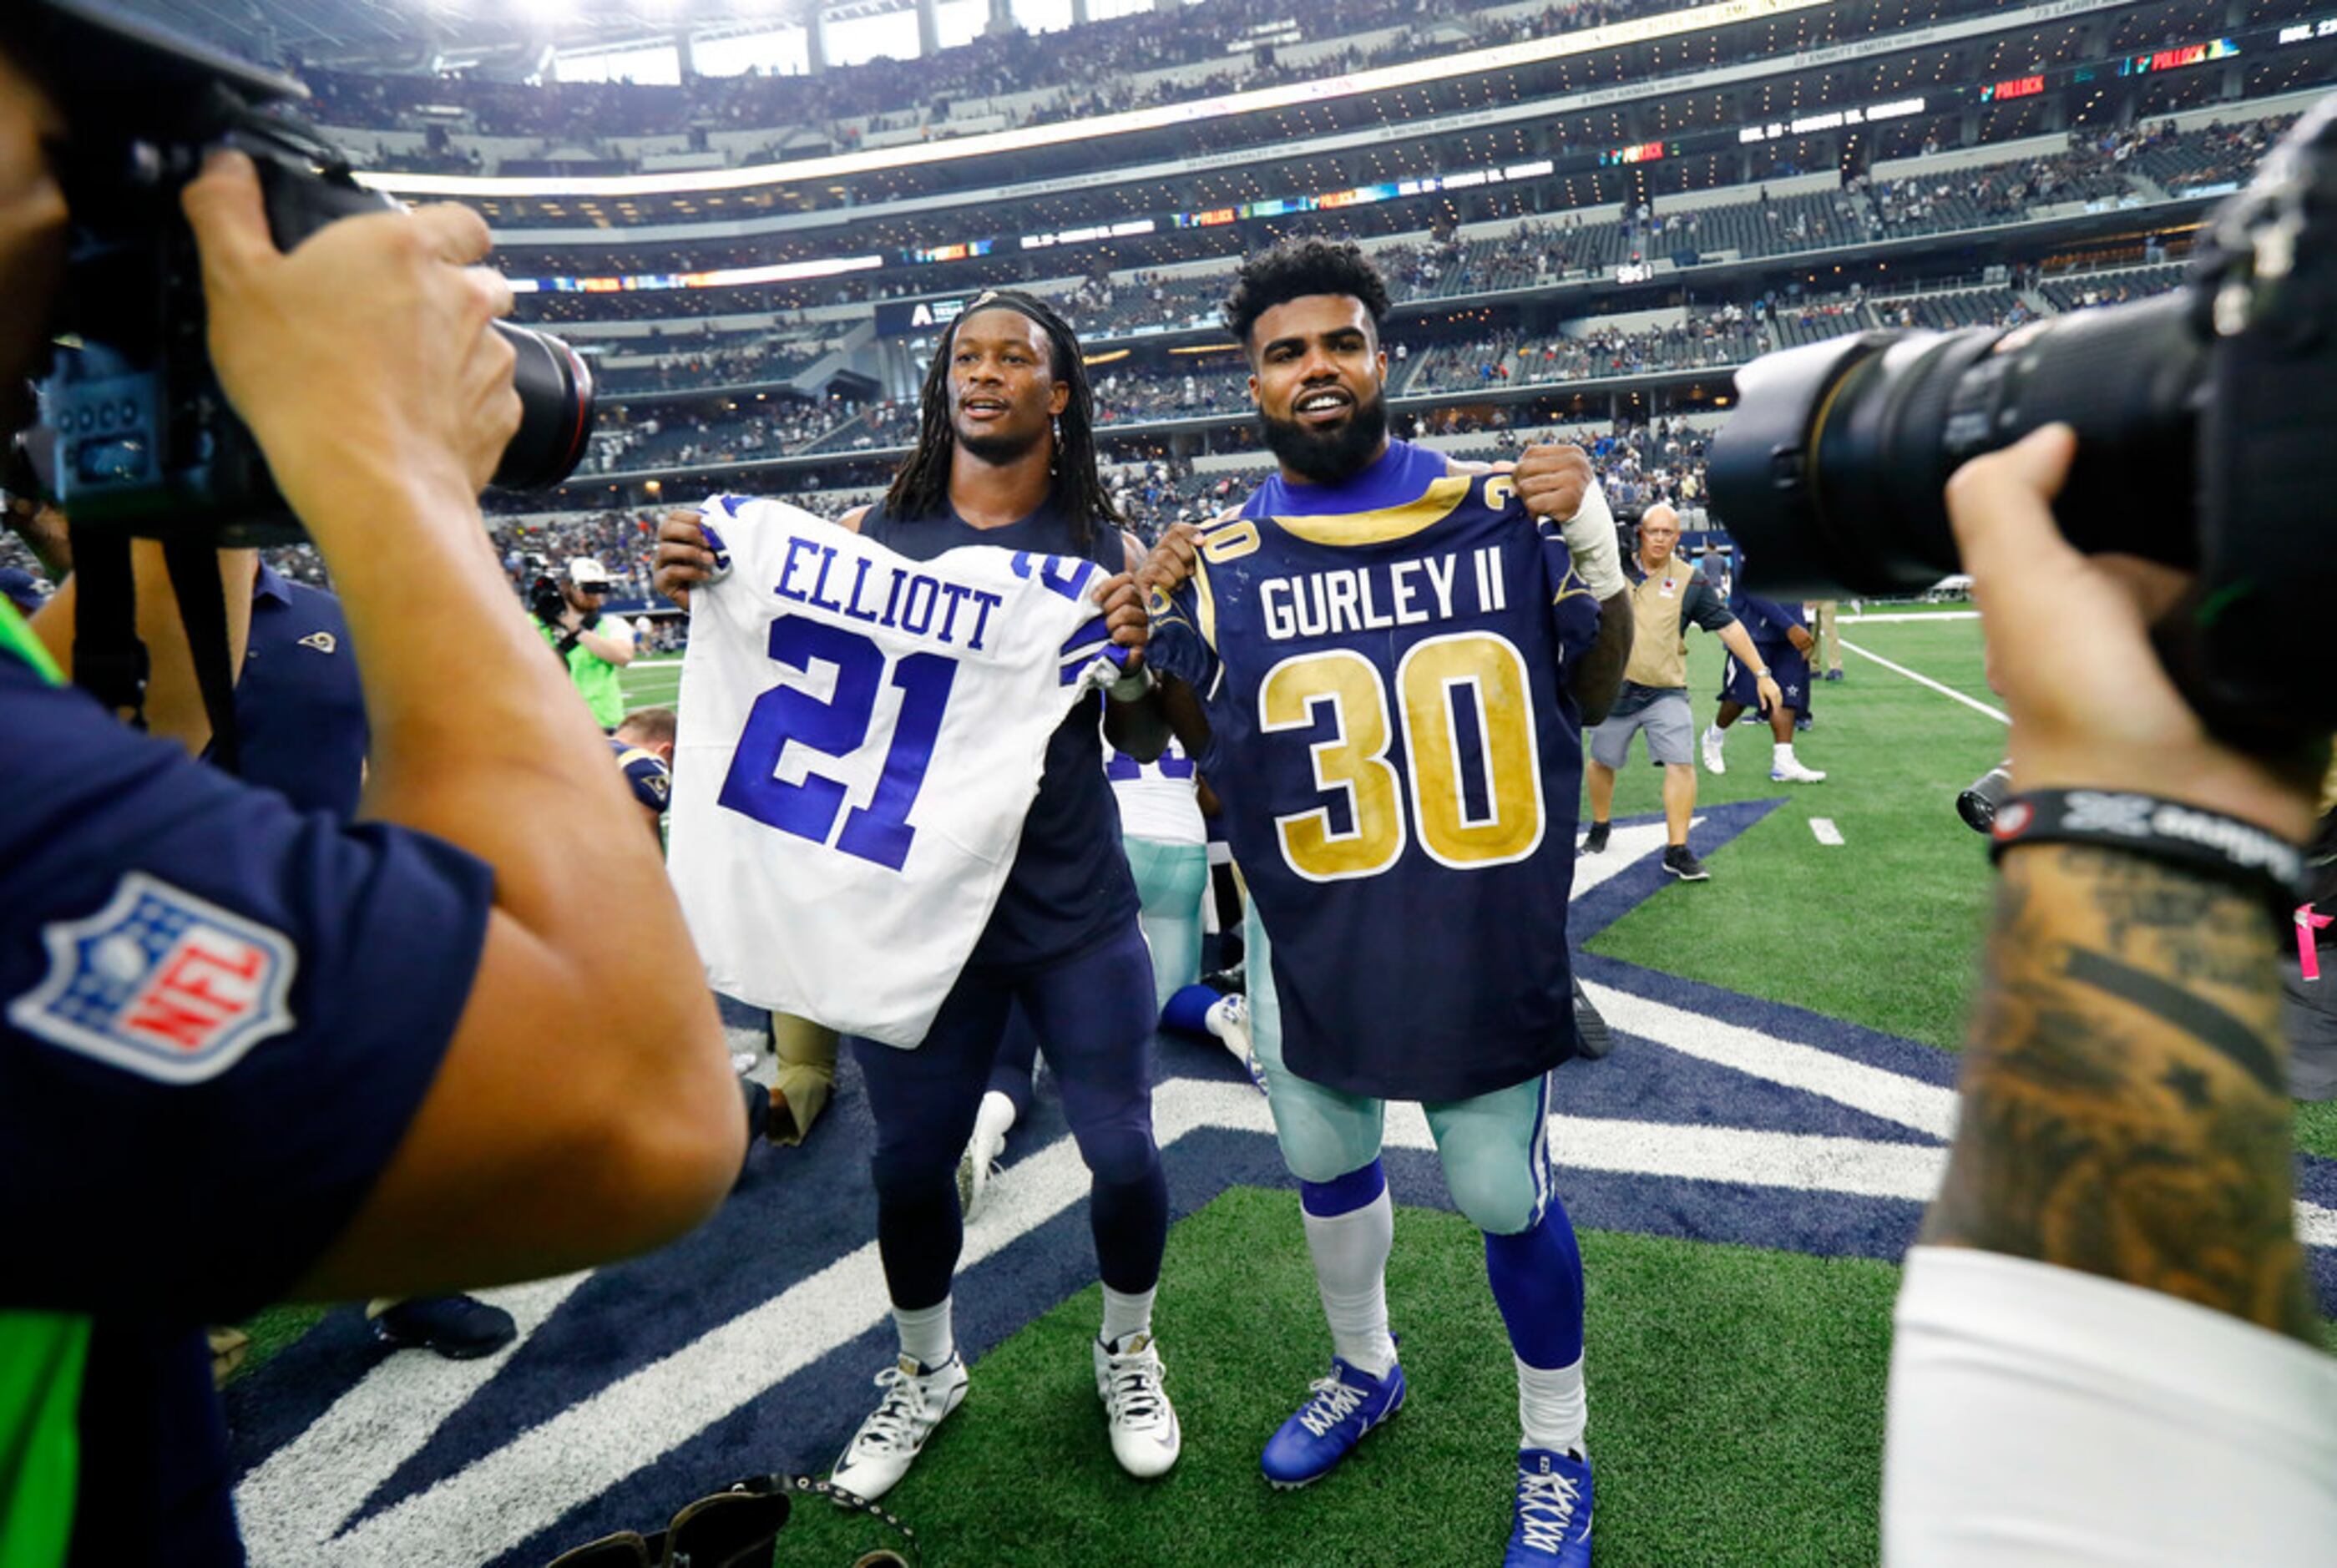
(2043, 1416)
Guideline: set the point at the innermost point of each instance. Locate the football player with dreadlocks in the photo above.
(1005, 456)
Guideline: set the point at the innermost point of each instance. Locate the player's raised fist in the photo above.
(1553, 479)
(682, 560)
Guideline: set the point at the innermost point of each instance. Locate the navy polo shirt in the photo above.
(299, 710)
(218, 1017)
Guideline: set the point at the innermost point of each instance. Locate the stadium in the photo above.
(757, 221)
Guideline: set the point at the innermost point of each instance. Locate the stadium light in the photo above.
(1385, 78)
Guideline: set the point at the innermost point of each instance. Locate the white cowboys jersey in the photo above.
(860, 738)
(1158, 800)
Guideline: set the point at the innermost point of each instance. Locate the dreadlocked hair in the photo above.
(1297, 267)
(921, 488)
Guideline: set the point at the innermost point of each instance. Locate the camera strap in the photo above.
(194, 564)
(108, 661)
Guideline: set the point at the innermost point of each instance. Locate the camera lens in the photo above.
(1832, 471)
(555, 403)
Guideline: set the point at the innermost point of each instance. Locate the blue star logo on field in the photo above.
(160, 982)
(1720, 1117)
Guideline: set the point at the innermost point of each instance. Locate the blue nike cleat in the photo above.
(1553, 1527)
(1346, 1405)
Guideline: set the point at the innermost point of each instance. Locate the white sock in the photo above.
(1715, 732)
(1782, 755)
(996, 1116)
(1124, 1314)
(927, 1336)
(1551, 1410)
(1351, 1253)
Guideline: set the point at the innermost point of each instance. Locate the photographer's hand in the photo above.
(2070, 651)
(366, 365)
(366, 346)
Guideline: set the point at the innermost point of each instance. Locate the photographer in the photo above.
(214, 1005)
(2110, 1291)
(567, 613)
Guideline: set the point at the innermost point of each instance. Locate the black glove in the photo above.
(591, 619)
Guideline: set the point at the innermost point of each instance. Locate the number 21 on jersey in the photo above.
(838, 726)
(1464, 709)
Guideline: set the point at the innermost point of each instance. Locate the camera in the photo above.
(2202, 417)
(544, 600)
(133, 431)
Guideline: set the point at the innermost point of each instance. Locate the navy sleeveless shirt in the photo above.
(1070, 889)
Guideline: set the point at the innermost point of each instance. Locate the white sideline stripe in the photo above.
(296, 1497)
(1910, 1101)
(1626, 847)
(1971, 703)
(1823, 830)
(1911, 617)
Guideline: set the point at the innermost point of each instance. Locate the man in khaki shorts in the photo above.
(1668, 596)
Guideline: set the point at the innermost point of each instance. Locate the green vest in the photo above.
(41, 1355)
(604, 688)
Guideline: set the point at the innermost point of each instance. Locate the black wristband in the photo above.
(2206, 841)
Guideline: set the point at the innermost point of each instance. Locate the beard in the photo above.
(1327, 456)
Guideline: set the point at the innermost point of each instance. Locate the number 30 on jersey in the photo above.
(1464, 704)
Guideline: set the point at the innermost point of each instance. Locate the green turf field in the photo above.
(1736, 1395)
(1737, 1399)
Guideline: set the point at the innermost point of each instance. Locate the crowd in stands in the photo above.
(1729, 336)
(1533, 252)
(2215, 154)
(665, 436)
(1099, 68)
(745, 364)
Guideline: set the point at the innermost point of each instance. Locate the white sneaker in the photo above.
(1794, 773)
(1228, 1020)
(1714, 762)
(976, 1167)
(1229, 1016)
(890, 1440)
(1145, 1436)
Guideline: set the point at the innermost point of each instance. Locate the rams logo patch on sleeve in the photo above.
(161, 983)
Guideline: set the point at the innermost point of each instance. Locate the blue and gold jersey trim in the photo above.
(1384, 524)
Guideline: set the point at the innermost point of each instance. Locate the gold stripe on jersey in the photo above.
(1204, 603)
(1391, 523)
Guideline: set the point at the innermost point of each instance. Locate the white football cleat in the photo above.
(976, 1166)
(1794, 773)
(1714, 762)
(1145, 1436)
(892, 1437)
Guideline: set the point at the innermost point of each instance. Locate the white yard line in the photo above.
(1920, 615)
(1971, 702)
(1823, 830)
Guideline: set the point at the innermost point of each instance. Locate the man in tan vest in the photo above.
(1668, 596)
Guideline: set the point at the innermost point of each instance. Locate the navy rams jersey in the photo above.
(1383, 664)
(645, 775)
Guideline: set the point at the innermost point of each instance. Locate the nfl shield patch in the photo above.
(161, 983)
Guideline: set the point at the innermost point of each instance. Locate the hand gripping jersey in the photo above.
(1383, 666)
(860, 737)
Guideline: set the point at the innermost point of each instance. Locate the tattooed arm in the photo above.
(2122, 1157)
(2125, 1111)
(2124, 1103)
